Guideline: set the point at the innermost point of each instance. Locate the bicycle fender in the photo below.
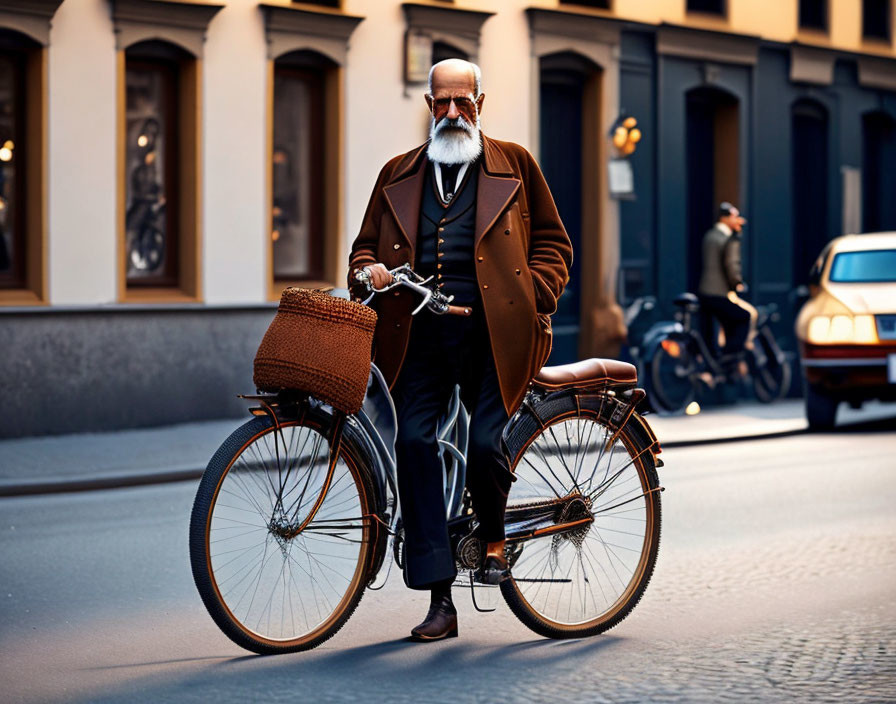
(659, 332)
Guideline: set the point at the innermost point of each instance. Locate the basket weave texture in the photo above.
(318, 344)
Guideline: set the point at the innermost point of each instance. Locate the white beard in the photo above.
(454, 146)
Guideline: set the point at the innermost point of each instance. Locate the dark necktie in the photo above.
(449, 176)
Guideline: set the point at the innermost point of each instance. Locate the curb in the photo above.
(65, 486)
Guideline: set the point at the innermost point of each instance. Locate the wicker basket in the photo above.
(318, 344)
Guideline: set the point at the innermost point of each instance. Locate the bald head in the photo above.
(455, 74)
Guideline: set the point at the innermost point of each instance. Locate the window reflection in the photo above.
(149, 172)
(297, 227)
(11, 235)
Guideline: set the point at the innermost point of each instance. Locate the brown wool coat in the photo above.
(522, 251)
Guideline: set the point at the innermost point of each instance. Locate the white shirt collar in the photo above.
(724, 228)
(460, 177)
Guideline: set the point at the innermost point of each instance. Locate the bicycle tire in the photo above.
(771, 381)
(520, 592)
(665, 369)
(209, 566)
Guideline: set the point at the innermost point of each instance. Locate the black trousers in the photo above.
(445, 351)
(735, 321)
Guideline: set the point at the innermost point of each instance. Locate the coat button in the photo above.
(517, 272)
(511, 302)
(479, 259)
(396, 246)
(484, 285)
(398, 325)
(507, 232)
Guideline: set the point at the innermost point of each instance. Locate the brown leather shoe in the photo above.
(440, 622)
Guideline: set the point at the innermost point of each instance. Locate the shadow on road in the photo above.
(396, 671)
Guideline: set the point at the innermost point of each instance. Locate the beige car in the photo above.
(847, 329)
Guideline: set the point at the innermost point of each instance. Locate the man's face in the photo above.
(453, 97)
(733, 220)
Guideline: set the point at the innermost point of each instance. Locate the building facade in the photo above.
(167, 167)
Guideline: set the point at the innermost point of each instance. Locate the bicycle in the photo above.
(297, 511)
(677, 359)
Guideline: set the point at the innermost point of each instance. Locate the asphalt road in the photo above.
(776, 581)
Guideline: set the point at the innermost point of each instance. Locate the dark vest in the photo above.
(446, 237)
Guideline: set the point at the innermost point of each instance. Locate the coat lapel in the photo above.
(404, 195)
(497, 186)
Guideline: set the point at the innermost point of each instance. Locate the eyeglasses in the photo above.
(464, 105)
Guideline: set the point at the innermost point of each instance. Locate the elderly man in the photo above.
(477, 215)
(721, 281)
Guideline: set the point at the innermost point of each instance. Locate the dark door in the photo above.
(879, 173)
(561, 162)
(712, 168)
(701, 180)
(810, 186)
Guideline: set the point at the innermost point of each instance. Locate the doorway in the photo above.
(569, 119)
(878, 172)
(809, 173)
(713, 167)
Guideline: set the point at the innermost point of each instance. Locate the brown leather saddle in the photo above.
(587, 373)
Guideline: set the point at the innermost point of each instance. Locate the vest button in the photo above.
(441, 229)
(396, 246)
(507, 232)
(395, 293)
(398, 325)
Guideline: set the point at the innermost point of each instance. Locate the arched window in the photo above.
(20, 159)
(298, 163)
(160, 170)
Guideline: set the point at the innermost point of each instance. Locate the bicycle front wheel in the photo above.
(589, 496)
(270, 582)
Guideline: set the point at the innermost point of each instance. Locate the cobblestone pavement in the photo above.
(776, 583)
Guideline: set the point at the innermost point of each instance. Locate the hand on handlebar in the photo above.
(403, 275)
(380, 276)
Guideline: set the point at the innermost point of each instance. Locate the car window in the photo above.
(873, 266)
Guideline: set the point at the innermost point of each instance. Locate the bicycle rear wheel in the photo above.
(586, 578)
(271, 587)
(671, 379)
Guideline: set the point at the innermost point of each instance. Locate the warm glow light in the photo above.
(5, 154)
(819, 327)
(277, 212)
(142, 140)
(635, 136)
(864, 329)
(672, 347)
(620, 136)
(275, 235)
(8, 144)
(693, 408)
(629, 122)
(841, 329)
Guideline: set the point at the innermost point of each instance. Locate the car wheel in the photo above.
(821, 409)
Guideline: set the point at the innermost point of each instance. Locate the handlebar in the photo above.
(403, 275)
